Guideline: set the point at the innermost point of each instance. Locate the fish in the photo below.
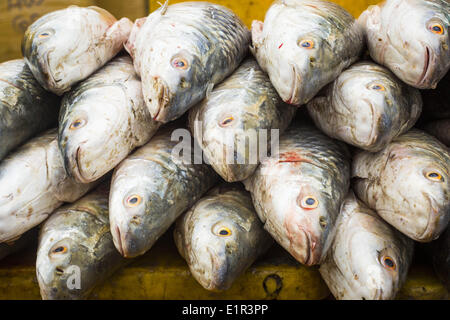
(440, 250)
(33, 183)
(297, 193)
(368, 259)
(102, 120)
(305, 44)
(410, 37)
(27, 239)
(182, 50)
(66, 46)
(439, 129)
(436, 105)
(244, 105)
(366, 106)
(407, 184)
(152, 187)
(26, 109)
(76, 251)
(221, 236)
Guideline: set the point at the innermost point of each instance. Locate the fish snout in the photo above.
(73, 162)
(308, 250)
(219, 270)
(158, 98)
(128, 240)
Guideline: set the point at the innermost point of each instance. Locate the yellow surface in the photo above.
(422, 284)
(249, 10)
(132, 9)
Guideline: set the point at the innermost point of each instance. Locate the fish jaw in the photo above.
(158, 98)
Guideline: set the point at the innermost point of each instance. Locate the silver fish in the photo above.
(366, 106)
(183, 49)
(297, 193)
(33, 183)
(304, 45)
(368, 259)
(410, 37)
(151, 188)
(244, 105)
(76, 251)
(68, 45)
(25, 240)
(407, 184)
(26, 108)
(221, 236)
(439, 129)
(102, 120)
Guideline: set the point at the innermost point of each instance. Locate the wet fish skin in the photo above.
(216, 260)
(439, 129)
(368, 259)
(183, 49)
(150, 189)
(407, 184)
(28, 238)
(33, 183)
(77, 235)
(68, 45)
(441, 257)
(305, 44)
(247, 98)
(26, 108)
(353, 111)
(311, 168)
(112, 120)
(399, 35)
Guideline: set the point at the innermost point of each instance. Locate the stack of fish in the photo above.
(348, 185)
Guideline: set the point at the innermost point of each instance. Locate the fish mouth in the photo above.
(219, 272)
(293, 99)
(73, 166)
(378, 295)
(117, 237)
(309, 258)
(161, 99)
(428, 57)
(431, 229)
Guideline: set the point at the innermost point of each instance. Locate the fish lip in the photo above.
(46, 68)
(118, 240)
(428, 233)
(426, 69)
(74, 166)
(163, 97)
(295, 85)
(309, 261)
(378, 294)
(218, 281)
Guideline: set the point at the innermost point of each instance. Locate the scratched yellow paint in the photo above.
(249, 10)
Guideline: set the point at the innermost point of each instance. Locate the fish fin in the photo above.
(129, 45)
(164, 7)
(209, 89)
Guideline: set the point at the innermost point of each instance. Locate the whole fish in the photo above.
(368, 259)
(297, 193)
(244, 105)
(33, 183)
(68, 45)
(366, 106)
(28, 238)
(436, 102)
(441, 257)
(152, 187)
(26, 108)
(407, 184)
(439, 129)
(304, 45)
(410, 37)
(76, 251)
(182, 50)
(102, 120)
(221, 236)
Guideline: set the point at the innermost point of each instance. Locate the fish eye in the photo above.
(133, 201)
(437, 28)
(434, 176)
(179, 63)
(309, 202)
(44, 35)
(307, 44)
(77, 124)
(60, 249)
(377, 87)
(227, 121)
(388, 263)
(223, 232)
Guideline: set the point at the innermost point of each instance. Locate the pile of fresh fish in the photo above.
(189, 119)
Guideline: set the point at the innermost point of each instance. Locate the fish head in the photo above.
(422, 182)
(136, 208)
(415, 44)
(91, 133)
(174, 79)
(58, 265)
(218, 240)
